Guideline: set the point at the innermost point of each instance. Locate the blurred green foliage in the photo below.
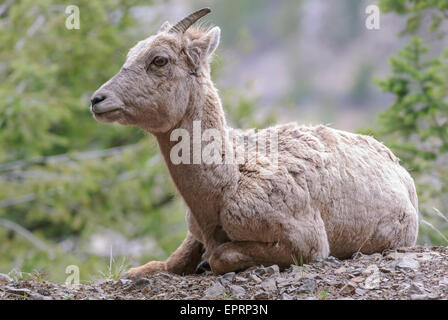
(60, 180)
(67, 183)
(415, 126)
(418, 12)
(48, 72)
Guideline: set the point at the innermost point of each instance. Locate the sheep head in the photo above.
(161, 73)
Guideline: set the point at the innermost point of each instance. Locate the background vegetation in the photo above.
(73, 191)
(415, 126)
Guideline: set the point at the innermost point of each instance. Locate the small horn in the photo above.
(186, 22)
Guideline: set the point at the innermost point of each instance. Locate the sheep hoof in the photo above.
(202, 267)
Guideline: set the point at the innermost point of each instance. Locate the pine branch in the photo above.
(27, 235)
(15, 201)
(67, 157)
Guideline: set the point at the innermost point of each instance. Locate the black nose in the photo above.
(97, 99)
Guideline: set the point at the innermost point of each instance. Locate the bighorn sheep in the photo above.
(332, 192)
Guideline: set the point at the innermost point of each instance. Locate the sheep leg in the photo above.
(182, 261)
(239, 255)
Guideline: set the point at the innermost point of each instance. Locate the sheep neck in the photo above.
(203, 186)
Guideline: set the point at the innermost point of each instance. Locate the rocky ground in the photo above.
(419, 273)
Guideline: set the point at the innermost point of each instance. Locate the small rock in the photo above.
(19, 291)
(125, 281)
(286, 296)
(260, 271)
(237, 291)
(164, 275)
(37, 296)
(340, 270)
(305, 275)
(331, 282)
(308, 286)
(281, 282)
(215, 291)
(403, 287)
(26, 293)
(424, 256)
(443, 282)
(255, 278)
(347, 289)
(4, 278)
(357, 272)
(104, 281)
(419, 297)
(181, 294)
(295, 269)
(358, 279)
(393, 255)
(415, 288)
(372, 281)
(261, 295)
(139, 284)
(271, 270)
(269, 285)
(150, 289)
(227, 278)
(433, 296)
(332, 261)
(252, 269)
(376, 256)
(359, 291)
(407, 263)
(387, 269)
(370, 269)
(358, 255)
(419, 277)
(241, 279)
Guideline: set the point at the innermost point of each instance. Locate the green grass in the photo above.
(114, 269)
(323, 294)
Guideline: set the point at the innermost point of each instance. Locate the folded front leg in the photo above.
(182, 261)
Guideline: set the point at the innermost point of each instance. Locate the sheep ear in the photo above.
(212, 37)
(202, 48)
(165, 26)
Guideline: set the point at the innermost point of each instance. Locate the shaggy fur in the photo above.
(333, 192)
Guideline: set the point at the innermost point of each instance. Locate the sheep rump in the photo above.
(333, 192)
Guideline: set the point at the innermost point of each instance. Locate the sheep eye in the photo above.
(160, 61)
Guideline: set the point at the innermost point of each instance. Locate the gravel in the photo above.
(419, 273)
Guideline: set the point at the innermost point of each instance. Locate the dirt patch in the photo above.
(419, 273)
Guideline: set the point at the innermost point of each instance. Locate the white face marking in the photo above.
(136, 51)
